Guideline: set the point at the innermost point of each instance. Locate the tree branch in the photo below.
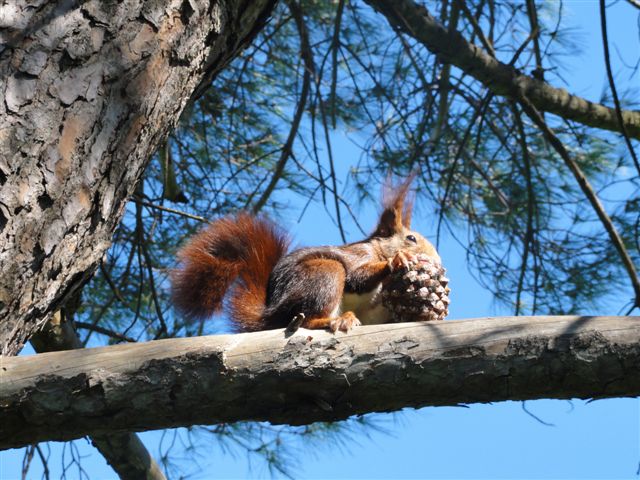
(278, 171)
(125, 452)
(314, 375)
(589, 192)
(612, 84)
(502, 79)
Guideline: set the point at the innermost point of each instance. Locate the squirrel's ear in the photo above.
(408, 209)
(396, 206)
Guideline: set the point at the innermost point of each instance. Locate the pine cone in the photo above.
(420, 293)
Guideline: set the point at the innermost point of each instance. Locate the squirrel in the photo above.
(244, 260)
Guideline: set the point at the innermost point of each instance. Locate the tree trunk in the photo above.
(89, 91)
(314, 375)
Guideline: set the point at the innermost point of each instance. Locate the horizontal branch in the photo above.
(123, 451)
(314, 375)
(415, 20)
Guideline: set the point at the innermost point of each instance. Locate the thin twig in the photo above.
(476, 27)
(307, 56)
(528, 412)
(142, 245)
(527, 241)
(444, 80)
(111, 284)
(414, 19)
(344, 203)
(532, 13)
(26, 460)
(45, 462)
(479, 111)
(335, 45)
(612, 84)
(296, 12)
(588, 191)
(104, 331)
(169, 210)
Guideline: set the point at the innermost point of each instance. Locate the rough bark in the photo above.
(502, 79)
(89, 89)
(124, 452)
(314, 375)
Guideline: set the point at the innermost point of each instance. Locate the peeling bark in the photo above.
(314, 375)
(415, 20)
(89, 90)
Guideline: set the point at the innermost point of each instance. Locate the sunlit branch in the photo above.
(315, 375)
(125, 452)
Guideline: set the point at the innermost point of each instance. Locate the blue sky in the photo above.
(589, 440)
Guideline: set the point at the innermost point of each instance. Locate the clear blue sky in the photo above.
(589, 440)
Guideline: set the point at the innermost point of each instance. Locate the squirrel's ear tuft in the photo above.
(397, 204)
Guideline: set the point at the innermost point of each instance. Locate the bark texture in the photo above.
(415, 20)
(124, 452)
(88, 90)
(314, 375)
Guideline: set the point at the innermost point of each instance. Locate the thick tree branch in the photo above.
(125, 452)
(314, 375)
(502, 79)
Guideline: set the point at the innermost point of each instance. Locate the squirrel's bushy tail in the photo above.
(239, 251)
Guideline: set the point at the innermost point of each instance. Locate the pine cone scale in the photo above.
(420, 292)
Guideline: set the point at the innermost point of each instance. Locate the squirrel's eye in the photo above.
(411, 238)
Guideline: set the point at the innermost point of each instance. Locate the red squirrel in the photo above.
(245, 258)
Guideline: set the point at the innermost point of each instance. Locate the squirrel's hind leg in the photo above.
(313, 287)
(344, 322)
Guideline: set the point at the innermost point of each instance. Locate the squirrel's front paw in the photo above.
(344, 322)
(403, 260)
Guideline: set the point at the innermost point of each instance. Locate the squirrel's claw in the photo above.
(344, 322)
(403, 260)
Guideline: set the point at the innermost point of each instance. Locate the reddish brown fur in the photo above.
(269, 288)
(343, 322)
(334, 274)
(249, 296)
(397, 208)
(242, 248)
